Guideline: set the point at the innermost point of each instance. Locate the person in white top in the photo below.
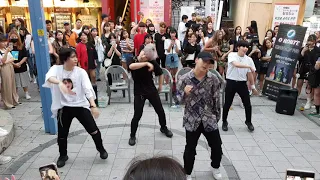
(78, 27)
(182, 29)
(172, 47)
(72, 97)
(240, 69)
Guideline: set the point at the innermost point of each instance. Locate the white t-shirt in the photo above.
(182, 30)
(77, 81)
(238, 74)
(78, 31)
(167, 43)
(9, 56)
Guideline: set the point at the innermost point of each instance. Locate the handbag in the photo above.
(108, 61)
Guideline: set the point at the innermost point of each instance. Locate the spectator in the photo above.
(105, 19)
(1, 30)
(134, 29)
(26, 39)
(9, 94)
(173, 48)
(78, 27)
(151, 30)
(71, 36)
(159, 39)
(59, 42)
(19, 23)
(112, 26)
(139, 38)
(114, 53)
(147, 40)
(20, 57)
(49, 26)
(100, 50)
(182, 29)
(148, 22)
(105, 37)
(269, 34)
(192, 21)
(265, 60)
(192, 49)
(127, 49)
(119, 23)
(210, 30)
(156, 168)
(226, 48)
(203, 38)
(186, 38)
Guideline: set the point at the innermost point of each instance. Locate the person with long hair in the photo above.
(112, 26)
(226, 48)
(255, 53)
(19, 23)
(100, 51)
(209, 29)
(213, 46)
(20, 57)
(237, 36)
(151, 30)
(203, 38)
(249, 30)
(159, 39)
(254, 27)
(26, 39)
(105, 37)
(189, 32)
(269, 34)
(127, 49)
(265, 60)
(148, 22)
(113, 48)
(72, 97)
(119, 23)
(9, 94)
(144, 88)
(173, 48)
(59, 42)
(192, 49)
(147, 40)
(86, 30)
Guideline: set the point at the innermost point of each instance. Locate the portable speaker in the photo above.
(287, 100)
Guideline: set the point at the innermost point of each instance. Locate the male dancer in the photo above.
(144, 88)
(240, 67)
(200, 90)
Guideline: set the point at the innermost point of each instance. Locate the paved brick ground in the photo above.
(278, 142)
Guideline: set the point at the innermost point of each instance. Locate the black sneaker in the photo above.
(103, 154)
(166, 131)
(132, 141)
(225, 126)
(250, 126)
(99, 79)
(62, 161)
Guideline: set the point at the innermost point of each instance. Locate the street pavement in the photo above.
(279, 142)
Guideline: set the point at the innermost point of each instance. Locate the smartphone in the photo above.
(293, 174)
(49, 172)
(10, 45)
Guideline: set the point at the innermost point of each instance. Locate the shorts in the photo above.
(22, 79)
(221, 63)
(257, 65)
(174, 63)
(263, 70)
(127, 58)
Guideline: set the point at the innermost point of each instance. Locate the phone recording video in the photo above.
(49, 172)
(293, 174)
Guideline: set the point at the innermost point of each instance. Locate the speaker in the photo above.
(287, 101)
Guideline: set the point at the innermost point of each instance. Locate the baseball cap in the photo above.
(66, 23)
(206, 56)
(104, 16)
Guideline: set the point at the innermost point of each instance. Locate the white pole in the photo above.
(216, 2)
(219, 15)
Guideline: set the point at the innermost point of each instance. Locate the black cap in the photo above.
(104, 16)
(206, 56)
(66, 23)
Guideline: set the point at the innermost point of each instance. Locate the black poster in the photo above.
(284, 57)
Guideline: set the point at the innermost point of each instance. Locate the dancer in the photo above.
(200, 90)
(72, 97)
(240, 68)
(144, 88)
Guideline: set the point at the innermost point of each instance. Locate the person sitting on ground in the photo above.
(156, 168)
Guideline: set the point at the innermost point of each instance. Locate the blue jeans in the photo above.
(127, 57)
(98, 69)
(31, 65)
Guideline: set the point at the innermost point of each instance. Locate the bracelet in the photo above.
(253, 87)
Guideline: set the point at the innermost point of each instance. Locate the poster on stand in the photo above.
(284, 57)
(285, 14)
(212, 10)
(154, 10)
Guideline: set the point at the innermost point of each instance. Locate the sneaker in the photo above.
(35, 81)
(308, 105)
(216, 173)
(250, 126)
(225, 126)
(3, 132)
(189, 177)
(166, 131)
(62, 161)
(28, 96)
(103, 154)
(5, 159)
(132, 141)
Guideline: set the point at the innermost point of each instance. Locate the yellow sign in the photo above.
(40, 32)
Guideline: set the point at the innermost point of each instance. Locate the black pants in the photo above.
(139, 101)
(65, 116)
(162, 61)
(241, 88)
(214, 142)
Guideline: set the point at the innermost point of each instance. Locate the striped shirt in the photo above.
(123, 45)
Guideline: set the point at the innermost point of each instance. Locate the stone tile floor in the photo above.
(278, 142)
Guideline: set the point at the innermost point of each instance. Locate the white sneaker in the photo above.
(189, 177)
(5, 159)
(35, 81)
(308, 105)
(3, 132)
(28, 96)
(216, 174)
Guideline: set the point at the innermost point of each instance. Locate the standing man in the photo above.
(78, 27)
(240, 67)
(144, 88)
(200, 90)
(71, 36)
(182, 28)
(105, 19)
(159, 39)
(139, 38)
(49, 26)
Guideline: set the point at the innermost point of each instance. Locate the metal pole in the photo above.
(39, 35)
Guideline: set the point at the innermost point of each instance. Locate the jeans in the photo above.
(31, 65)
(127, 57)
(139, 101)
(65, 116)
(241, 88)
(214, 141)
(98, 69)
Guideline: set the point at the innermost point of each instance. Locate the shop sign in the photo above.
(154, 10)
(24, 3)
(62, 10)
(77, 3)
(285, 14)
(284, 57)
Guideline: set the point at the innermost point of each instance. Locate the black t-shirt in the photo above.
(18, 55)
(160, 43)
(116, 59)
(143, 79)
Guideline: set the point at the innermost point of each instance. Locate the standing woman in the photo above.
(20, 57)
(172, 47)
(226, 48)
(26, 39)
(210, 30)
(213, 45)
(265, 60)
(9, 94)
(255, 54)
(100, 51)
(119, 23)
(147, 40)
(192, 49)
(72, 97)
(237, 37)
(105, 37)
(19, 23)
(203, 38)
(59, 42)
(127, 49)
(114, 52)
